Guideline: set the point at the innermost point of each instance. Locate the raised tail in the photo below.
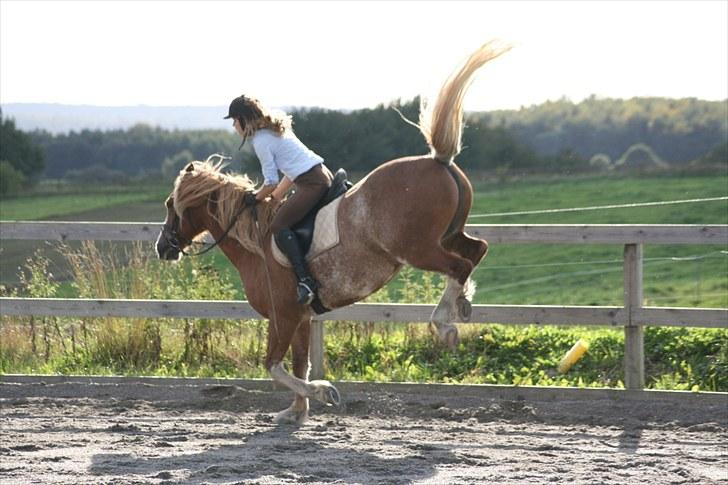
(442, 124)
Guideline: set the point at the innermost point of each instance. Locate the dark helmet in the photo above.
(241, 107)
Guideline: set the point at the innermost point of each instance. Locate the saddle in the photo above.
(305, 227)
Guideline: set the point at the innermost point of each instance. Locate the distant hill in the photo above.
(64, 118)
(553, 136)
(677, 130)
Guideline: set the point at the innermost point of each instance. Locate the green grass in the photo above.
(558, 193)
(676, 358)
(557, 274)
(93, 202)
(572, 274)
(592, 274)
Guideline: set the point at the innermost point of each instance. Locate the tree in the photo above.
(20, 153)
(172, 165)
(11, 180)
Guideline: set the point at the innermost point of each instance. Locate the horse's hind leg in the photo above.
(457, 269)
(466, 246)
(475, 250)
(437, 258)
(446, 312)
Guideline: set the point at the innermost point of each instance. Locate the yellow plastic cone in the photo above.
(573, 355)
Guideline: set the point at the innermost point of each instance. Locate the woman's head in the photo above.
(249, 115)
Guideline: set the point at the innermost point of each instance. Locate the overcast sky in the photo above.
(356, 54)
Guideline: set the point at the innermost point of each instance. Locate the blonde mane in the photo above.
(198, 180)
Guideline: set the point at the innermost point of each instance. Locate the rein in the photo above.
(178, 242)
(274, 317)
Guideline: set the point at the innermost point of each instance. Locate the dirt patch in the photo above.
(81, 432)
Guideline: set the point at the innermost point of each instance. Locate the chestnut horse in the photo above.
(407, 211)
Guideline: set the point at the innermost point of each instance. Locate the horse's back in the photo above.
(404, 200)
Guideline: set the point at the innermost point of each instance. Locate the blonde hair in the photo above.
(258, 117)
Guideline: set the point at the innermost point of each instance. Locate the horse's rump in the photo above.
(383, 220)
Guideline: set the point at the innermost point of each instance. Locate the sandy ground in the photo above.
(162, 433)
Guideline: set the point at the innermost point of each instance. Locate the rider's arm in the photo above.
(265, 191)
(282, 188)
(278, 191)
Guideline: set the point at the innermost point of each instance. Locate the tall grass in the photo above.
(694, 359)
(128, 345)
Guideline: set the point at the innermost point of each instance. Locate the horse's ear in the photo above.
(190, 167)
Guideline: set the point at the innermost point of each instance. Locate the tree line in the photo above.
(678, 130)
(558, 136)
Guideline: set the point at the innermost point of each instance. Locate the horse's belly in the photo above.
(345, 280)
(359, 265)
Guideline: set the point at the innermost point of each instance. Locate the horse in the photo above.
(410, 210)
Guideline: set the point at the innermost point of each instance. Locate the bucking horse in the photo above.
(411, 210)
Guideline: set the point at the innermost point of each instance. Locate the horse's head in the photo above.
(178, 232)
(205, 199)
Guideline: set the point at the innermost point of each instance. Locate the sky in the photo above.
(350, 55)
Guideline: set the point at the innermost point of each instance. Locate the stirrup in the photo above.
(305, 293)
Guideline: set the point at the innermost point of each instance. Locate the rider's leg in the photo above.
(310, 188)
(288, 243)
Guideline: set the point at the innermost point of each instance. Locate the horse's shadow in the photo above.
(278, 454)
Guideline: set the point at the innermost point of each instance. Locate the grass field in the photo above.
(86, 203)
(511, 274)
(592, 274)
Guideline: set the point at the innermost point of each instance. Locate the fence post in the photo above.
(316, 350)
(634, 352)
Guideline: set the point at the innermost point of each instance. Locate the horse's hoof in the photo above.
(465, 309)
(291, 416)
(326, 393)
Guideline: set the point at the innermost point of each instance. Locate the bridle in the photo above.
(178, 242)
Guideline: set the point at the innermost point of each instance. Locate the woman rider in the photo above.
(278, 149)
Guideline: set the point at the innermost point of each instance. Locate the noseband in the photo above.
(178, 242)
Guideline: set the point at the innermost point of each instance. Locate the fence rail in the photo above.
(632, 316)
(493, 233)
(370, 312)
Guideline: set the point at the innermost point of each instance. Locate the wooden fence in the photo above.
(632, 316)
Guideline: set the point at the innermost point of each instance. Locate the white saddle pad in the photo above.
(325, 234)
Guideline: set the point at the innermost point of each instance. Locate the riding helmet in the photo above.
(241, 107)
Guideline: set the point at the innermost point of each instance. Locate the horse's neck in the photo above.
(229, 246)
(248, 263)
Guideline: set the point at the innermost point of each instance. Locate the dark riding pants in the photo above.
(310, 187)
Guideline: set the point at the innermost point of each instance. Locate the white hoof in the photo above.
(325, 392)
(292, 416)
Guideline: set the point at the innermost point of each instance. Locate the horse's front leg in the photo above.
(323, 391)
(297, 413)
(454, 306)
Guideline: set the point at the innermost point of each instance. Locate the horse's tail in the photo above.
(442, 124)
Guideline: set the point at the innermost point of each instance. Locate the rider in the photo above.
(278, 149)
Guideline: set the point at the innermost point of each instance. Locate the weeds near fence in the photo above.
(678, 358)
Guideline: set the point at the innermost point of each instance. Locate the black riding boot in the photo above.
(288, 243)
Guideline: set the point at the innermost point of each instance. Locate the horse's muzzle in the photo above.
(166, 250)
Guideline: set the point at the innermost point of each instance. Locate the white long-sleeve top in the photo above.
(284, 153)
